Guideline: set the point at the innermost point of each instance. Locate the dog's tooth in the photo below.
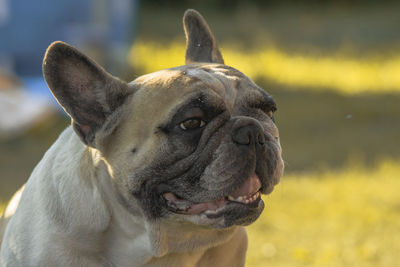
(203, 216)
(245, 199)
(210, 212)
(219, 209)
(170, 203)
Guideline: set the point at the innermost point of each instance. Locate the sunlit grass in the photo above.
(344, 74)
(345, 218)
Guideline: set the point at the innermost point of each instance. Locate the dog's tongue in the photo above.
(251, 186)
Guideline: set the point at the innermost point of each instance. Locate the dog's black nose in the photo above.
(248, 132)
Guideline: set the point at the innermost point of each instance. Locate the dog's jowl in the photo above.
(163, 171)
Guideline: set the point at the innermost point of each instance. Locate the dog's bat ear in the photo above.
(84, 89)
(200, 42)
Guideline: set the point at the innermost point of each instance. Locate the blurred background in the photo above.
(333, 67)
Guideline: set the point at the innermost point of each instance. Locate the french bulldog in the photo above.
(163, 171)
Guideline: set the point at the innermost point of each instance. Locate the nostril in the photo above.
(246, 139)
(261, 139)
(242, 136)
(248, 132)
(248, 135)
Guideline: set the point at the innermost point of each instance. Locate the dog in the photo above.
(163, 171)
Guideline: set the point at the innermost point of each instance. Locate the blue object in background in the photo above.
(31, 26)
(38, 87)
(28, 27)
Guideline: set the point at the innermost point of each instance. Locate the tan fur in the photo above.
(77, 208)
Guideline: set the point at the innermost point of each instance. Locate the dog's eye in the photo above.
(192, 124)
(271, 114)
(266, 107)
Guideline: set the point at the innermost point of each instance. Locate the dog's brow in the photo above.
(202, 100)
(193, 100)
(261, 100)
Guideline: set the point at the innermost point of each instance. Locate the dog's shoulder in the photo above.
(65, 167)
(51, 210)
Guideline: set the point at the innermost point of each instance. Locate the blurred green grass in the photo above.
(351, 28)
(344, 218)
(344, 74)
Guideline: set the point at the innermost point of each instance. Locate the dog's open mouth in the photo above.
(248, 195)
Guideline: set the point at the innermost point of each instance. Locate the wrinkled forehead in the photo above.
(220, 81)
(224, 81)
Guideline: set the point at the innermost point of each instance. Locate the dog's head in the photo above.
(194, 143)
